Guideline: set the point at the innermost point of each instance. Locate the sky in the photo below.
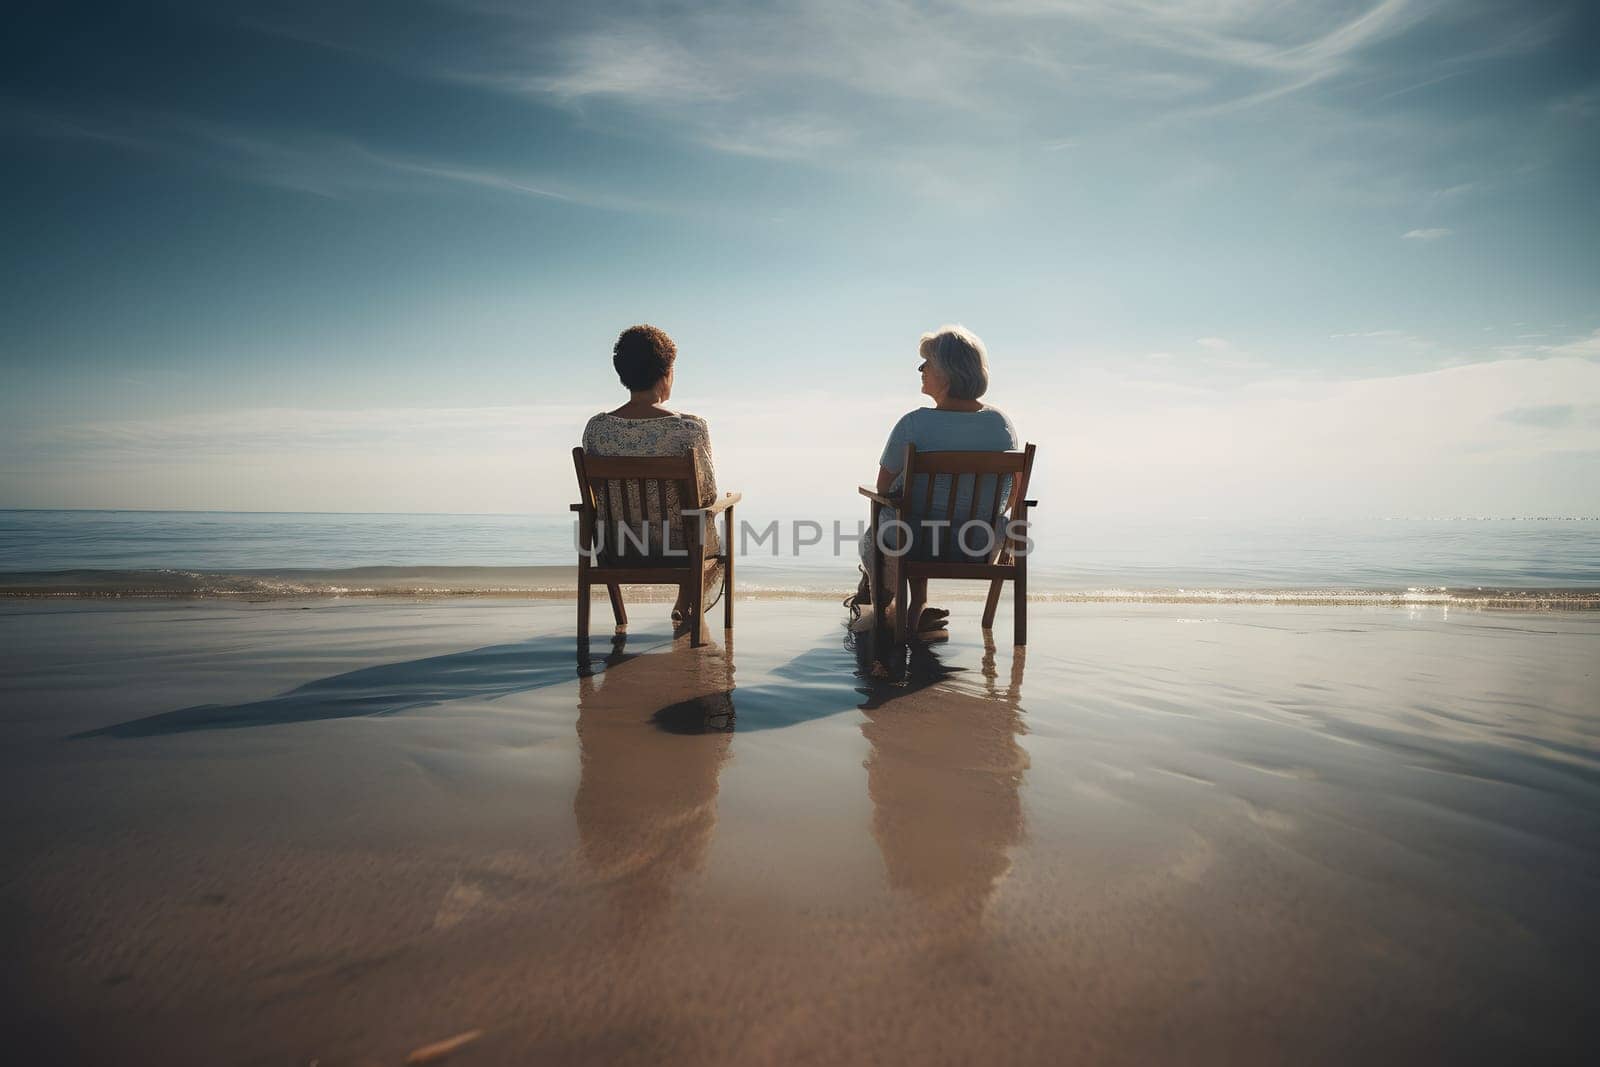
(1229, 257)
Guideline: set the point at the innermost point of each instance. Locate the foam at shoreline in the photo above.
(559, 582)
(352, 581)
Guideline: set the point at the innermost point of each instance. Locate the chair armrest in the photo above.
(1030, 503)
(717, 507)
(575, 507)
(881, 498)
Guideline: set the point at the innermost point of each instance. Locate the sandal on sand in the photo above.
(933, 620)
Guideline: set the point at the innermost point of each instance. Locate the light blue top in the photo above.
(932, 430)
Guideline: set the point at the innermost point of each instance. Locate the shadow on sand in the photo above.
(389, 689)
(820, 682)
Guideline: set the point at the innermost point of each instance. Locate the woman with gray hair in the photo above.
(955, 373)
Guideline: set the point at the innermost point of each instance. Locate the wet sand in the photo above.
(345, 831)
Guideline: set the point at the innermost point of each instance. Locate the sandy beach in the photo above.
(1247, 354)
(357, 831)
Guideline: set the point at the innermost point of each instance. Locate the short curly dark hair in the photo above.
(642, 356)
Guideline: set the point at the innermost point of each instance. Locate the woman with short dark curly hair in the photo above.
(644, 358)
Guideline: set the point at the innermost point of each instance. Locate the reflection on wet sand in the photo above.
(944, 775)
(1262, 835)
(646, 800)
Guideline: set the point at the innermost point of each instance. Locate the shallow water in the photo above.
(1074, 554)
(273, 833)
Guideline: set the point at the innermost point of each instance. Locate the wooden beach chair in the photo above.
(1004, 562)
(605, 558)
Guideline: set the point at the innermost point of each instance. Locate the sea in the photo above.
(1530, 561)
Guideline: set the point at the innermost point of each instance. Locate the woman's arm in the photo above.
(708, 469)
(894, 451)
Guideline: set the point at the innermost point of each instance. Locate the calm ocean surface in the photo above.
(1072, 554)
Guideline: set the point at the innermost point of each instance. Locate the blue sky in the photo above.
(1233, 255)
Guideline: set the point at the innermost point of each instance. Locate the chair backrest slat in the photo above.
(1019, 490)
(981, 468)
(639, 466)
(653, 490)
(634, 518)
(970, 462)
(997, 507)
(637, 492)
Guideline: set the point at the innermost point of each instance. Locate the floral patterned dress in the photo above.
(669, 435)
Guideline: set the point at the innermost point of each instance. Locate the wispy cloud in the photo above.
(277, 431)
(899, 51)
(1582, 347)
(1585, 347)
(858, 85)
(1224, 355)
(629, 61)
(1294, 36)
(1387, 340)
(1479, 438)
(861, 68)
(1545, 415)
(1466, 439)
(1432, 233)
(488, 179)
(320, 165)
(790, 137)
(1582, 106)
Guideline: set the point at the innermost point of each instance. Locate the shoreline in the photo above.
(559, 583)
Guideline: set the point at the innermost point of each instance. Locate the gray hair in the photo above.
(957, 352)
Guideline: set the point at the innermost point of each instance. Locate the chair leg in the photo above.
(618, 612)
(697, 611)
(992, 605)
(877, 587)
(902, 598)
(583, 612)
(1019, 603)
(727, 573)
(877, 574)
